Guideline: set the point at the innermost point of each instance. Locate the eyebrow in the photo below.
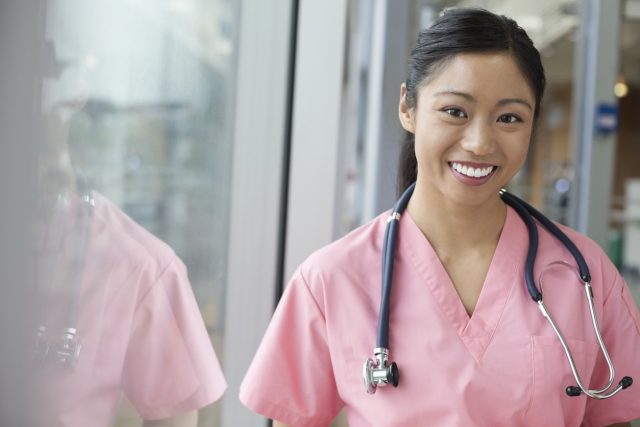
(472, 99)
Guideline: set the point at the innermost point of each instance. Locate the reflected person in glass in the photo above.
(116, 311)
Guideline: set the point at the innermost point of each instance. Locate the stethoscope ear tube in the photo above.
(516, 204)
(388, 256)
(379, 371)
(66, 348)
(625, 382)
(553, 229)
(388, 253)
(527, 213)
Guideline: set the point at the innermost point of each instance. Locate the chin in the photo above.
(475, 197)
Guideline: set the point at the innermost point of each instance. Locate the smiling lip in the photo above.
(472, 173)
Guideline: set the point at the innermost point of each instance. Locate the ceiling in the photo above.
(553, 25)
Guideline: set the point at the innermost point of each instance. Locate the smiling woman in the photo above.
(471, 347)
(477, 112)
(472, 123)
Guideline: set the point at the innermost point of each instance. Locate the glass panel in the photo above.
(625, 241)
(546, 178)
(137, 98)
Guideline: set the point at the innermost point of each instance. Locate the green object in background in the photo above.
(614, 247)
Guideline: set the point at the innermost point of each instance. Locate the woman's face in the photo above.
(472, 123)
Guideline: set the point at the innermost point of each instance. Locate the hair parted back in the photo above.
(465, 30)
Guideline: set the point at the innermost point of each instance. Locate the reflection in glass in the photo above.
(137, 103)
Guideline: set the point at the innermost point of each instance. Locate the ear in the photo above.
(405, 113)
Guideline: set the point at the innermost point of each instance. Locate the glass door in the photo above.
(144, 108)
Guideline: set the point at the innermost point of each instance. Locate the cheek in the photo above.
(428, 149)
(516, 150)
(432, 146)
(432, 136)
(424, 157)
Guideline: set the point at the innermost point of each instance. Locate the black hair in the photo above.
(465, 30)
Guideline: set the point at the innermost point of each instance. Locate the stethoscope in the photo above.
(379, 371)
(65, 348)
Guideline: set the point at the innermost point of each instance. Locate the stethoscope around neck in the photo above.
(65, 348)
(379, 371)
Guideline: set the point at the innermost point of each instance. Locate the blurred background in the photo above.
(246, 134)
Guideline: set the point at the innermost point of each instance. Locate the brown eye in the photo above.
(455, 112)
(509, 118)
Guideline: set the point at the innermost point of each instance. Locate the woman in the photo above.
(471, 346)
(125, 294)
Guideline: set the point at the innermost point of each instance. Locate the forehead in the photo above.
(483, 75)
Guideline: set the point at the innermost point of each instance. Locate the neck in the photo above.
(453, 228)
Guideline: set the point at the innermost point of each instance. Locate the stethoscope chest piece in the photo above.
(379, 372)
(65, 350)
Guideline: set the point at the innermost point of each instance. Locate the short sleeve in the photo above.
(170, 366)
(621, 334)
(291, 377)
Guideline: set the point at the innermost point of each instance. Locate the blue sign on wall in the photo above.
(606, 118)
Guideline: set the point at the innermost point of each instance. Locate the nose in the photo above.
(479, 139)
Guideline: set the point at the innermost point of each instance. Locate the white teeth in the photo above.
(472, 172)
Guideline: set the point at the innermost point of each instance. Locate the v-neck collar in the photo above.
(504, 273)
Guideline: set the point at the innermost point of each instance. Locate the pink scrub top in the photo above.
(140, 328)
(503, 366)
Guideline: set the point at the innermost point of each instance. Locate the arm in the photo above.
(279, 424)
(167, 324)
(188, 419)
(297, 334)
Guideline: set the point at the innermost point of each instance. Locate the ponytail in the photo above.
(408, 164)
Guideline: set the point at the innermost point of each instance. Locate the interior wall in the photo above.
(628, 150)
(551, 149)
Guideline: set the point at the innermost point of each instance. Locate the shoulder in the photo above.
(604, 273)
(591, 251)
(343, 260)
(349, 251)
(130, 238)
(123, 249)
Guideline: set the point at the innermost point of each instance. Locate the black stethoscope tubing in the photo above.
(388, 256)
(66, 349)
(527, 213)
(380, 371)
(522, 208)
